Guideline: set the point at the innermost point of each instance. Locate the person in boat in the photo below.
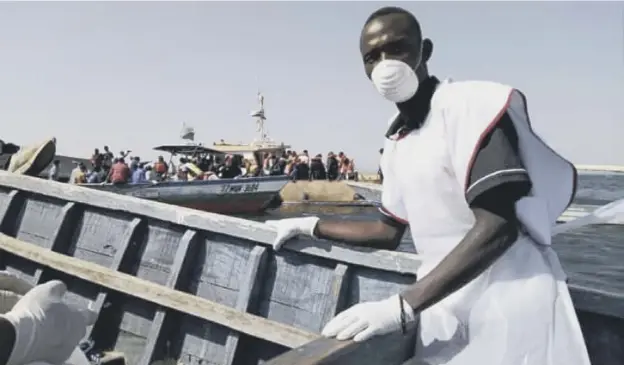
(78, 174)
(96, 175)
(119, 172)
(138, 175)
(27, 160)
(332, 166)
(317, 169)
(149, 172)
(230, 169)
(480, 200)
(54, 172)
(278, 167)
(36, 324)
(194, 172)
(160, 169)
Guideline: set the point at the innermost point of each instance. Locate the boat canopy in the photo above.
(189, 150)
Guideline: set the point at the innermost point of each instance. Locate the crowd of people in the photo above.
(105, 167)
(300, 166)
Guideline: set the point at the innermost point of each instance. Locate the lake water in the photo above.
(592, 256)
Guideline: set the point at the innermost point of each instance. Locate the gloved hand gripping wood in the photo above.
(47, 329)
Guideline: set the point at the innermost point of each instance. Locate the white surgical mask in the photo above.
(395, 80)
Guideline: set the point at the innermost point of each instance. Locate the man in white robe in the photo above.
(480, 192)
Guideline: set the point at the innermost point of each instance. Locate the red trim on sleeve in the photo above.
(484, 134)
(388, 213)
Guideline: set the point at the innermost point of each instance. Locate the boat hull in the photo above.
(178, 284)
(226, 196)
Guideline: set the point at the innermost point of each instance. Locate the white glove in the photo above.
(46, 329)
(11, 290)
(365, 320)
(291, 227)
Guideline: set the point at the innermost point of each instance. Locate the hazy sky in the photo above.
(128, 74)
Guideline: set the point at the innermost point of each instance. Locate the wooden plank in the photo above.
(184, 259)
(121, 262)
(393, 348)
(189, 304)
(247, 296)
(255, 231)
(62, 237)
(339, 289)
(321, 351)
(10, 212)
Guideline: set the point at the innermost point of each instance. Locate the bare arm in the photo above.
(382, 234)
(494, 231)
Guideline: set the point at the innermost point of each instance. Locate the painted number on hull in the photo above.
(239, 188)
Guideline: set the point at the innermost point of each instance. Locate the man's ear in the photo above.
(427, 50)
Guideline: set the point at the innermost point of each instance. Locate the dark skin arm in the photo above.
(494, 231)
(7, 339)
(380, 234)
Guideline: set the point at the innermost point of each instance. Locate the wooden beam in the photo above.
(321, 351)
(122, 262)
(62, 236)
(407, 263)
(186, 303)
(247, 297)
(185, 257)
(391, 348)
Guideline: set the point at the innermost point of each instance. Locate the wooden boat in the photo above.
(371, 193)
(193, 287)
(225, 196)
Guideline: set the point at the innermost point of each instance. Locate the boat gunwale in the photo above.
(284, 179)
(384, 260)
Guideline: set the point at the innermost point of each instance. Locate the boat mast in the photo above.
(260, 119)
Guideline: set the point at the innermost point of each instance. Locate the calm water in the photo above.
(592, 257)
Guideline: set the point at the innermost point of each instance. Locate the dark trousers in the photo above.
(6, 151)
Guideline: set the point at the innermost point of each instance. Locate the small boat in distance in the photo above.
(244, 195)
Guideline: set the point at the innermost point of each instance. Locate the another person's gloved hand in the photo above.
(291, 227)
(12, 288)
(46, 328)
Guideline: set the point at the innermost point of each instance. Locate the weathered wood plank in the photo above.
(340, 289)
(189, 304)
(247, 296)
(121, 262)
(236, 227)
(182, 262)
(62, 237)
(393, 348)
(11, 210)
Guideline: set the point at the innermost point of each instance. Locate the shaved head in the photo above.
(394, 33)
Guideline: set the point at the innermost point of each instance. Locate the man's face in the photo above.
(391, 36)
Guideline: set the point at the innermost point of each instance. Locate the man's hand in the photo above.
(47, 329)
(291, 227)
(365, 320)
